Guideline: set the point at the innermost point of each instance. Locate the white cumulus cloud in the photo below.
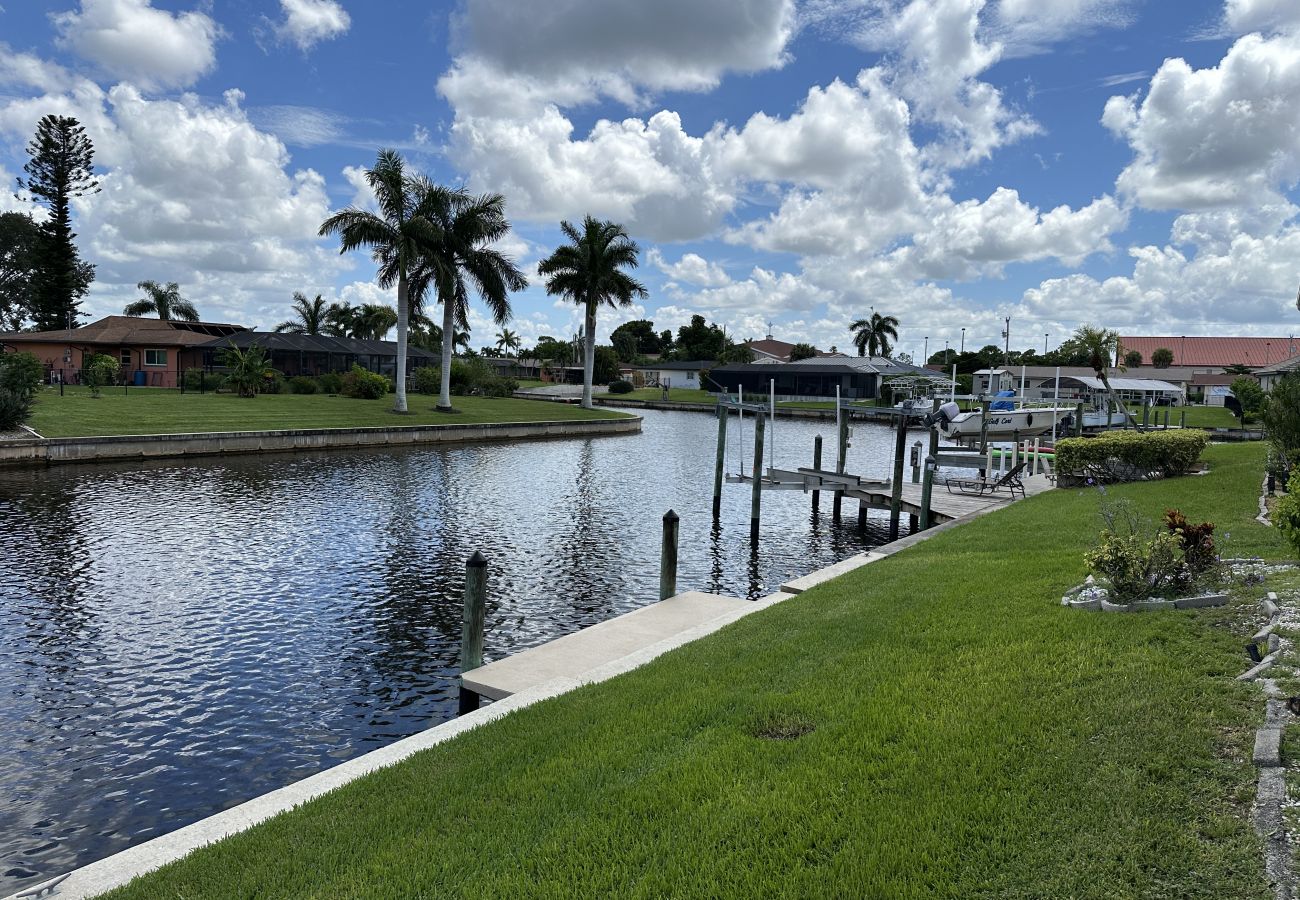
(308, 22)
(133, 41)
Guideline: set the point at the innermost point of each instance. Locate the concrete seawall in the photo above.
(54, 451)
(782, 412)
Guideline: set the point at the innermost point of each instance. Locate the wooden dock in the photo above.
(944, 505)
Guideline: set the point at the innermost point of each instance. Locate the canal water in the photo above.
(178, 637)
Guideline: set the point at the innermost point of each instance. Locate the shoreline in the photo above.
(118, 869)
(118, 448)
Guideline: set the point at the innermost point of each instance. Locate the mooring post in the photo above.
(1166, 418)
(1078, 420)
(471, 635)
(842, 452)
(896, 489)
(817, 464)
(1146, 414)
(756, 496)
(984, 425)
(1015, 452)
(1182, 417)
(668, 557)
(719, 462)
(927, 480)
(914, 459)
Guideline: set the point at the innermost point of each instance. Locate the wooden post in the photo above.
(1078, 420)
(984, 424)
(1038, 464)
(927, 478)
(896, 496)
(915, 461)
(756, 496)
(841, 453)
(1166, 418)
(668, 557)
(471, 635)
(817, 464)
(1146, 414)
(1182, 417)
(1015, 450)
(718, 462)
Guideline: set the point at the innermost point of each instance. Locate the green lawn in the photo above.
(1198, 417)
(155, 411)
(676, 395)
(972, 739)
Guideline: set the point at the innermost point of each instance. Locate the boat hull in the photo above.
(1003, 424)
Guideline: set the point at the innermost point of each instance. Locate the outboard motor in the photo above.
(943, 416)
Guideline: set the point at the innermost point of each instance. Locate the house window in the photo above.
(126, 359)
(690, 375)
(155, 357)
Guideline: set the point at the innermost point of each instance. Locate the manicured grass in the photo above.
(155, 411)
(676, 395)
(1198, 417)
(972, 738)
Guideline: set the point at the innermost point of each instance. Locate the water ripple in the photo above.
(180, 637)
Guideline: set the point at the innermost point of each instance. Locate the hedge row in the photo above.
(1127, 455)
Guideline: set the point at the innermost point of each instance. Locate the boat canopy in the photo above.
(1138, 385)
(1003, 404)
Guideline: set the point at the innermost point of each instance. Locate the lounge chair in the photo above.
(1009, 482)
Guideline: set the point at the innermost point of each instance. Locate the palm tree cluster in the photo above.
(428, 238)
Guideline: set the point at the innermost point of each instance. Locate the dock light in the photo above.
(1252, 650)
(931, 464)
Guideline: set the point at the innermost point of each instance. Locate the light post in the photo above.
(925, 354)
(1045, 345)
(963, 340)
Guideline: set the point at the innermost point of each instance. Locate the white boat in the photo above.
(1003, 424)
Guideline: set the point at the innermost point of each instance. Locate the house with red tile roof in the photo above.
(1214, 352)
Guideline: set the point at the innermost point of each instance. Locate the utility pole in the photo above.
(963, 340)
(925, 354)
(1044, 345)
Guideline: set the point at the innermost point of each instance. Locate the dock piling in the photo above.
(896, 488)
(756, 496)
(842, 451)
(1182, 417)
(668, 557)
(471, 636)
(719, 462)
(1078, 420)
(817, 464)
(927, 480)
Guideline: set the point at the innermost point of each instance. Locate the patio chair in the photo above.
(1010, 482)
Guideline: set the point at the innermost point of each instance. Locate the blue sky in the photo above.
(949, 162)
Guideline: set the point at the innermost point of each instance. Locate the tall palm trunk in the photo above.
(589, 354)
(448, 338)
(403, 323)
(1119, 404)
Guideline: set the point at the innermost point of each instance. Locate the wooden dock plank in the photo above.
(574, 654)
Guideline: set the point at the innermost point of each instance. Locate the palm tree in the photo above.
(588, 270)
(340, 319)
(310, 315)
(167, 302)
(872, 336)
(247, 368)
(1101, 345)
(459, 251)
(507, 341)
(396, 238)
(373, 321)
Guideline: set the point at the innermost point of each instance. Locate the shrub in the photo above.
(248, 369)
(21, 374)
(302, 384)
(1195, 541)
(1286, 511)
(1135, 567)
(15, 409)
(1131, 455)
(197, 379)
(426, 380)
(98, 371)
(620, 386)
(498, 387)
(364, 385)
(272, 383)
(331, 383)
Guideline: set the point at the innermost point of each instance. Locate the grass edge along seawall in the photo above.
(969, 737)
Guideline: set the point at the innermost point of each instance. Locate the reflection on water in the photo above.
(180, 637)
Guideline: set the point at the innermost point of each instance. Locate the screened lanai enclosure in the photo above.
(318, 354)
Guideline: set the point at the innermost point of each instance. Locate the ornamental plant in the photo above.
(98, 371)
(1286, 511)
(1196, 541)
(1135, 567)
